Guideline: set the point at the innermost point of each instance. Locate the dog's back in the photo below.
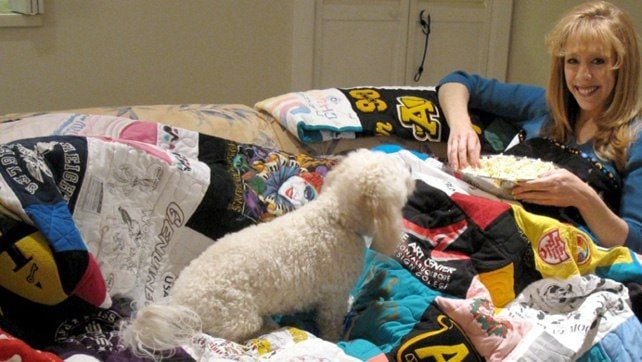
(286, 265)
(307, 258)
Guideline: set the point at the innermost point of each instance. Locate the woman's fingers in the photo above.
(474, 149)
(556, 188)
(463, 150)
(540, 198)
(462, 153)
(453, 152)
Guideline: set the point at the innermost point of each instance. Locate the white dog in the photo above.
(307, 259)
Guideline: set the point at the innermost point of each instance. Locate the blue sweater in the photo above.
(526, 106)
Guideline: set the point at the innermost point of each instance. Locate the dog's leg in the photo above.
(237, 328)
(269, 325)
(232, 315)
(330, 317)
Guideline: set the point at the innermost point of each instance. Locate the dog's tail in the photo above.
(158, 329)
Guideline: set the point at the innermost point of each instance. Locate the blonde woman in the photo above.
(592, 104)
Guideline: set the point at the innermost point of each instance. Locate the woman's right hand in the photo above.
(464, 147)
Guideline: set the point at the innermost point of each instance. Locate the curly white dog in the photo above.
(307, 259)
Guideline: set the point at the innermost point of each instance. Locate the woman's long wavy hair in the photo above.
(604, 24)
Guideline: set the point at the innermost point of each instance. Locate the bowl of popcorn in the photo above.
(498, 174)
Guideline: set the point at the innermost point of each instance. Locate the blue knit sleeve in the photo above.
(518, 102)
(631, 206)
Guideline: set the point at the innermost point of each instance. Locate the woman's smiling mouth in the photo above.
(586, 91)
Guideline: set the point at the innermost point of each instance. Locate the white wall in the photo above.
(124, 52)
(532, 20)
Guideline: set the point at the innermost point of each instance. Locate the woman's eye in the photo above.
(571, 61)
(599, 61)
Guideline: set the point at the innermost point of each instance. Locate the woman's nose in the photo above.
(585, 72)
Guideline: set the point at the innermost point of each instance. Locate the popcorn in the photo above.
(510, 168)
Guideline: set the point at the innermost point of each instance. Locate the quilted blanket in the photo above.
(96, 208)
(411, 114)
(99, 214)
(482, 279)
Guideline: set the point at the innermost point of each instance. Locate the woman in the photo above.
(592, 103)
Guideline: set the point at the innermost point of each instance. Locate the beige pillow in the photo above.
(235, 122)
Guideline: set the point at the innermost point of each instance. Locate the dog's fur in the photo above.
(307, 259)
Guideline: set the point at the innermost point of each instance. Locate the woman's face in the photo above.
(589, 75)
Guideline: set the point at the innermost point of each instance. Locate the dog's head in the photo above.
(371, 189)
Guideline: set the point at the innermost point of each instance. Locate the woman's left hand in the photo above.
(559, 188)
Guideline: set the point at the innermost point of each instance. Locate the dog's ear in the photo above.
(378, 186)
(387, 226)
(387, 189)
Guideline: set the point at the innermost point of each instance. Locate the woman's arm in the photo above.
(512, 101)
(631, 203)
(562, 188)
(460, 91)
(608, 228)
(463, 142)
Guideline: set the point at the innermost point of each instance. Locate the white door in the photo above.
(347, 43)
(471, 35)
